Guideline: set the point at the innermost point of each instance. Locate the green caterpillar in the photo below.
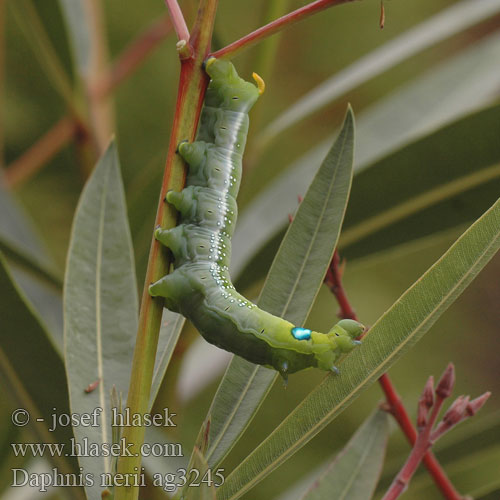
(200, 286)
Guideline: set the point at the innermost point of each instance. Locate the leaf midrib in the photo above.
(358, 467)
(229, 420)
(98, 276)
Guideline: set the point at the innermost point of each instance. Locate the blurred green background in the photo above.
(307, 54)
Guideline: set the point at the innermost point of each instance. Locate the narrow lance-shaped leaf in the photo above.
(291, 287)
(202, 486)
(46, 301)
(408, 114)
(167, 467)
(392, 335)
(458, 181)
(100, 306)
(448, 91)
(354, 473)
(171, 327)
(443, 25)
(32, 267)
(19, 241)
(32, 368)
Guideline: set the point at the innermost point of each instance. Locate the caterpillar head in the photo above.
(327, 348)
(227, 90)
(339, 340)
(345, 332)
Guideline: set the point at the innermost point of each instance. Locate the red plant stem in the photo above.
(192, 85)
(420, 448)
(275, 26)
(333, 280)
(398, 411)
(178, 20)
(24, 167)
(99, 109)
(130, 59)
(134, 55)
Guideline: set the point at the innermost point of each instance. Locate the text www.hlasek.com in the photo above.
(85, 448)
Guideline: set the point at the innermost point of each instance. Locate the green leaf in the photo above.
(405, 115)
(19, 241)
(198, 490)
(100, 305)
(444, 24)
(239, 395)
(454, 174)
(354, 473)
(307, 249)
(395, 332)
(47, 302)
(32, 267)
(171, 327)
(171, 460)
(31, 367)
(460, 85)
(291, 287)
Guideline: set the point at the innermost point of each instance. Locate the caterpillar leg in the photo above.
(184, 201)
(193, 153)
(168, 288)
(205, 207)
(174, 239)
(346, 344)
(283, 371)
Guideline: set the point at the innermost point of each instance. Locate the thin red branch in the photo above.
(192, 85)
(277, 25)
(420, 448)
(333, 280)
(24, 167)
(99, 109)
(133, 55)
(178, 20)
(461, 409)
(398, 411)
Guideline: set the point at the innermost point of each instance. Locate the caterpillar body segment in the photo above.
(200, 286)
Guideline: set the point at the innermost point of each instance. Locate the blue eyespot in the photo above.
(301, 333)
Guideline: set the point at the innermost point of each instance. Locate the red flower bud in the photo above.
(476, 404)
(425, 403)
(456, 411)
(446, 382)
